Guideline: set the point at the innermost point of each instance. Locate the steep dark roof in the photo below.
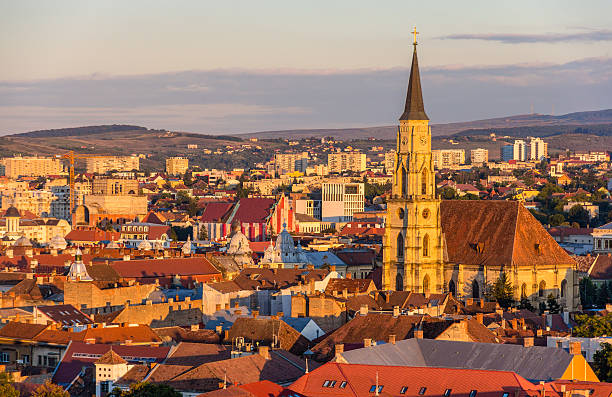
(264, 329)
(601, 269)
(415, 109)
(12, 212)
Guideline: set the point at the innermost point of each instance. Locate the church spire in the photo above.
(415, 109)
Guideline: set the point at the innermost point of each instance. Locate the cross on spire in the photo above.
(414, 32)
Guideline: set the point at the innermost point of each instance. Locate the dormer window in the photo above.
(403, 389)
(447, 392)
(422, 391)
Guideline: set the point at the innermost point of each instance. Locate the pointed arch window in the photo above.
(400, 246)
(399, 282)
(424, 176)
(426, 245)
(452, 288)
(524, 291)
(404, 182)
(563, 288)
(426, 283)
(542, 289)
(475, 289)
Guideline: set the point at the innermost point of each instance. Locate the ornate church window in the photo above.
(426, 245)
(400, 245)
(424, 182)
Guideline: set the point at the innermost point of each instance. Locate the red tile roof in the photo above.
(93, 235)
(254, 210)
(152, 268)
(391, 380)
(216, 212)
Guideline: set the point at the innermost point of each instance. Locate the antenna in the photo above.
(376, 391)
(532, 108)
(306, 365)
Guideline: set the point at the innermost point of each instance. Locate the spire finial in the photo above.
(414, 32)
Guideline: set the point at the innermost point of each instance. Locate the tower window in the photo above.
(424, 182)
(426, 245)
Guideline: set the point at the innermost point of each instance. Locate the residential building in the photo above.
(60, 206)
(506, 153)
(286, 163)
(602, 238)
(346, 161)
(596, 157)
(341, 200)
(538, 149)
(177, 165)
(592, 209)
(14, 224)
(588, 346)
(37, 202)
(445, 158)
(104, 164)
(519, 150)
(307, 206)
(14, 167)
(390, 161)
(479, 156)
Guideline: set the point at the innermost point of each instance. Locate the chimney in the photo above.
(392, 339)
(345, 293)
(219, 329)
(480, 318)
(539, 332)
(339, 349)
(514, 323)
(238, 312)
(349, 276)
(367, 342)
(363, 311)
(559, 344)
(469, 301)
(280, 314)
(255, 313)
(217, 307)
(482, 303)
(195, 327)
(264, 351)
(396, 311)
(528, 341)
(499, 312)
(235, 304)
(575, 348)
(226, 335)
(418, 333)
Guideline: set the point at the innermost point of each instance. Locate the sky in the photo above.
(244, 66)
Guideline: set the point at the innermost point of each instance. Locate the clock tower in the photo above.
(413, 244)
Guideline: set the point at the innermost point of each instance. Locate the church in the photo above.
(462, 246)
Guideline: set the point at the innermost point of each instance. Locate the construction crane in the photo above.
(71, 156)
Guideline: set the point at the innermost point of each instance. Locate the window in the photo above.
(473, 393)
(342, 384)
(400, 245)
(329, 383)
(424, 182)
(563, 287)
(326, 383)
(373, 389)
(4, 357)
(447, 392)
(542, 289)
(426, 245)
(422, 391)
(506, 394)
(403, 389)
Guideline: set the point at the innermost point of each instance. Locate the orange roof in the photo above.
(112, 358)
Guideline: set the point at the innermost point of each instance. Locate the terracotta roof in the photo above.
(66, 315)
(353, 286)
(153, 268)
(17, 330)
(497, 233)
(263, 388)
(216, 212)
(179, 334)
(261, 278)
(357, 257)
(254, 210)
(111, 358)
(139, 334)
(601, 269)
(93, 235)
(436, 381)
(263, 330)
(595, 389)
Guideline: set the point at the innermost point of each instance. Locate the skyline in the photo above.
(190, 68)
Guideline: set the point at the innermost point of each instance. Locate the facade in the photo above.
(102, 165)
(42, 230)
(14, 167)
(390, 162)
(286, 163)
(479, 156)
(519, 150)
(177, 165)
(506, 153)
(60, 206)
(341, 200)
(538, 149)
(346, 161)
(448, 157)
(37, 202)
(310, 207)
(602, 238)
(434, 246)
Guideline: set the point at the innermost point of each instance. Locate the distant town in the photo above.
(323, 269)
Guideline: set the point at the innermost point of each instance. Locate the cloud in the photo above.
(232, 101)
(518, 38)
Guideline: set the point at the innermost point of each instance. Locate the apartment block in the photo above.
(390, 161)
(285, 163)
(346, 161)
(518, 150)
(177, 165)
(102, 165)
(14, 167)
(37, 202)
(539, 149)
(445, 158)
(479, 156)
(341, 200)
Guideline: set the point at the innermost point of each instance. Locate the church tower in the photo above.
(413, 244)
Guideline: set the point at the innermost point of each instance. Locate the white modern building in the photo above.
(445, 158)
(479, 156)
(519, 149)
(341, 200)
(538, 149)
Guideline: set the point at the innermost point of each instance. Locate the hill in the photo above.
(511, 125)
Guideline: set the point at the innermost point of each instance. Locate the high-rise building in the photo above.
(341, 200)
(390, 162)
(176, 165)
(519, 149)
(102, 165)
(479, 156)
(506, 153)
(448, 157)
(286, 163)
(37, 202)
(17, 166)
(539, 149)
(346, 161)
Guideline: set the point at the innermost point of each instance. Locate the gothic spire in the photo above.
(414, 110)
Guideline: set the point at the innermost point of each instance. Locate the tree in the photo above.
(145, 389)
(592, 326)
(578, 214)
(49, 389)
(588, 292)
(502, 291)
(552, 305)
(203, 234)
(525, 303)
(448, 193)
(6, 385)
(556, 219)
(602, 363)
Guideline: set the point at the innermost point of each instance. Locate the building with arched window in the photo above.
(437, 246)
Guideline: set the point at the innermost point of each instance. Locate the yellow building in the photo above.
(15, 167)
(346, 161)
(101, 165)
(177, 165)
(462, 247)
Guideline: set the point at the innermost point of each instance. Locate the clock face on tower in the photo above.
(423, 140)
